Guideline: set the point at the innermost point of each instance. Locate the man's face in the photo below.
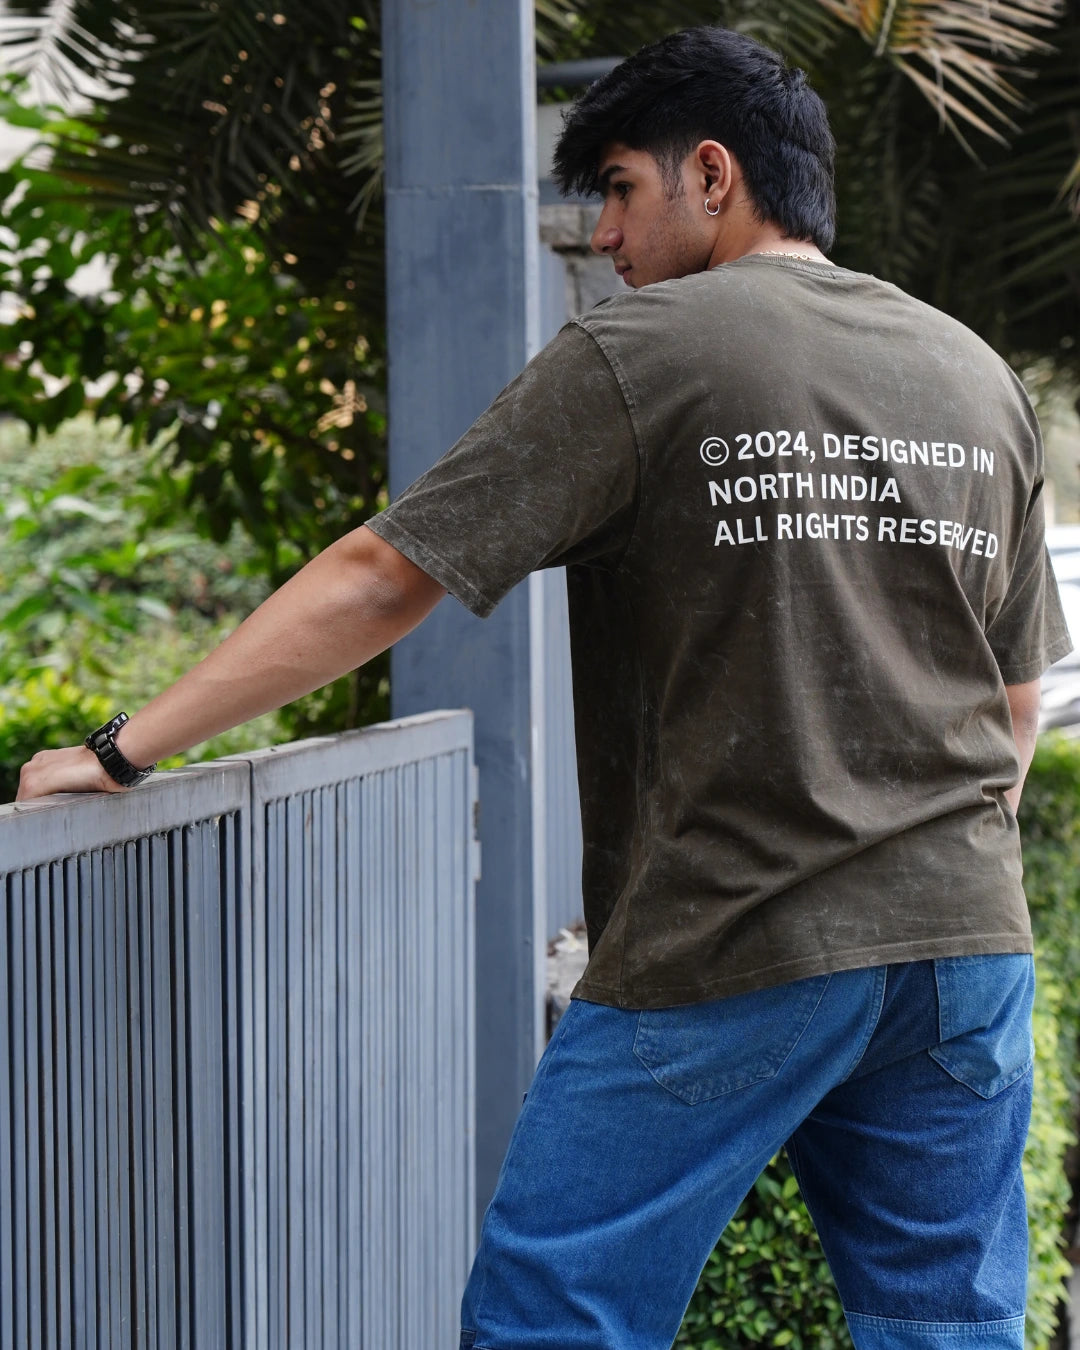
(649, 234)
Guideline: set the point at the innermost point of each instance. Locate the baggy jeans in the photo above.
(903, 1094)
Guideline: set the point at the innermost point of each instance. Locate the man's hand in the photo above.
(75, 769)
(350, 603)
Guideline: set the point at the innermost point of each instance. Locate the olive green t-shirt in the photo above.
(802, 518)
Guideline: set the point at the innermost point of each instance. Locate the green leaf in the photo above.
(157, 609)
(16, 617)
(66, 504)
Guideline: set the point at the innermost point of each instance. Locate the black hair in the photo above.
(712, 84)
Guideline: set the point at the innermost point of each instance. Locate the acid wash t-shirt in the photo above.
(802, 518)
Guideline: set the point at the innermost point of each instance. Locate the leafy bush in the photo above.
(96, 547)
(109, 595)
(767, 1282)
(1050, 827)
(1052, 1132)
(248, 348)
(47, 711)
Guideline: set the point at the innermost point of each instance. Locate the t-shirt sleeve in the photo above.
(1028, 633)
(547, 476)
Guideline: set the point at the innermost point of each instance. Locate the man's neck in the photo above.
(770, 242)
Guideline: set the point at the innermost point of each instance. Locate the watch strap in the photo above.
(115, 763)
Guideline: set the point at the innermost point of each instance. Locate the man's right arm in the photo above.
(348, 604)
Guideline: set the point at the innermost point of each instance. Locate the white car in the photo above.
(1061, 683)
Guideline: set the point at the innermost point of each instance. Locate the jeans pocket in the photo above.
(704, 1050)
(984, 1010)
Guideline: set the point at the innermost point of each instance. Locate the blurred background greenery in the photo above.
(109, 592)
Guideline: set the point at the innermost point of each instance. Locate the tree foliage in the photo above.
(106, 595)
(243, 322)
(228, 164)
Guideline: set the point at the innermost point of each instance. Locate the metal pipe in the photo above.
(574, 74)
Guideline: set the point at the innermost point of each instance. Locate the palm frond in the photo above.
(572, 29)
(801, 29)
(957, 52)
(225, 108)
(556, 24)
(361, 139)
(66, 49)
(1070, 188)
(1026, 202)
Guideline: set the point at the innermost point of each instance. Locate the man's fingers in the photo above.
(75, 769)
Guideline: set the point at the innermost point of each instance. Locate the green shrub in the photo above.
(108, 595)
(42, 713)
(1050, 828)
(48, 711)
(1048, 1190)
(767, 1282)
(96, 548)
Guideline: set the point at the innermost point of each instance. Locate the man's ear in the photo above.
(713, 165)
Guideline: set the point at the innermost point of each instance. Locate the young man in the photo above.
(810, 605)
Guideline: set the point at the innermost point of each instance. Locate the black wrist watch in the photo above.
(112, 760)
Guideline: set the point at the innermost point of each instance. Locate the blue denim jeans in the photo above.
(903, 1094)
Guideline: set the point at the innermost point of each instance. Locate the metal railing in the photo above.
(236, 1052)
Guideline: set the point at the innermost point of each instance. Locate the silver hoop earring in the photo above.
(711, 213)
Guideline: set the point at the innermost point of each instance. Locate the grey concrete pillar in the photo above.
(463, 318)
